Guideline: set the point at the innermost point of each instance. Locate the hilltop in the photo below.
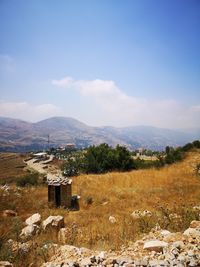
(18, 136)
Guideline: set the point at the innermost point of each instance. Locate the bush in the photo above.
(104, 158)
(30, 179)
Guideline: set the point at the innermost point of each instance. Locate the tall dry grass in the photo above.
(172, 189)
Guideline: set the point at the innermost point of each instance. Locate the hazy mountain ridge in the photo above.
(19, 135)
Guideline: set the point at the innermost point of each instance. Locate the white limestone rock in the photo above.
(5, 264)
(55, 222)
(29, 231)
(112, 219)
(155, 245)
(34, 219)
(193, 232)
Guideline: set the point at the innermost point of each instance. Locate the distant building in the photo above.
(70, 146)
(40, 155)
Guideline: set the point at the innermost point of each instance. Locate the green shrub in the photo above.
(28, 180)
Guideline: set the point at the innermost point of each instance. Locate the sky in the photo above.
(103, 62)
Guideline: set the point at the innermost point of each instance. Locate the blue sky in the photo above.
(104, 62)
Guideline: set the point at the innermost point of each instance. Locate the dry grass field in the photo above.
(172, 189)
(11, 166)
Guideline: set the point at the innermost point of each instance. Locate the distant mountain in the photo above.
(18, 135)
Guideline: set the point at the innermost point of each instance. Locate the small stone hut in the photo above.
(59, 191)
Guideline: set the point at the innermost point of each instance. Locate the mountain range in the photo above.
(18, 135)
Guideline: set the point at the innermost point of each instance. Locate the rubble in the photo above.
(179, 250)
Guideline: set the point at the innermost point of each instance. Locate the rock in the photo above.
(9, 213)
(112, 219)
(122, 260)
(174, 216)
(173, 237)
(181, 258)
(18, 246)
(146, 213)
(158, 263)
(178, 244)
(29, 231)
(34, 219)
(49, 249)
(5, 264)
(193, 232)
(141, 262)
(136, 214)
(165, 232)
(55, 222)
(195, 224)
(110, 261)
(196, 208)
(101, 256)
(139, 213)
(86, 262)
(155, 245)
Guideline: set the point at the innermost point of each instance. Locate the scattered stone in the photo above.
(165, 232)
(112, 219)
(34, 219)
(172, 237)
(29, 231)
(9, 213)
(139, 213)
(141, 262)
(86, 262)
(193, 232)
(174, 216)
(56, 222)
(178, 244)
(18, 246)
(196, 208)
(158, 263)
(180, 251)
(195, 224)
(5, 264)
(155, 245)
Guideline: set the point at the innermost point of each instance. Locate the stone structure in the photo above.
(59, 191)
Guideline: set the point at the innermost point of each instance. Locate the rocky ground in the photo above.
(158, 248)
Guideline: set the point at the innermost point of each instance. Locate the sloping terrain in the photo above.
(17, 135)
(169, 194)
(11, 166)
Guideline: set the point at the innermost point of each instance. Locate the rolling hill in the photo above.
(18, 135)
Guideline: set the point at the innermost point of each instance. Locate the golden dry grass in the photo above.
(11, 166)
(174, 188)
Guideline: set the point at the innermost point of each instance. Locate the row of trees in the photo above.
(177, 154)
(104, 158)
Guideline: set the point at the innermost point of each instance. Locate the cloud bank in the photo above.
(27, 111)
(119, 109)
(104, 103)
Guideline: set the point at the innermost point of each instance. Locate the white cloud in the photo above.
(119, 109)
(29, 112)
(65, 82)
